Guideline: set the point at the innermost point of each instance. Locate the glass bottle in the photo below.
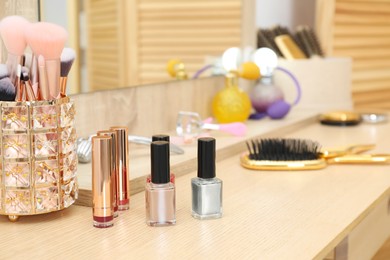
(161, 138)
(160, 192)
(206, 188)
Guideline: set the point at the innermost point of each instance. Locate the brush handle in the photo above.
(29, 91)
(43, 86)
(53, 69)
(63, 81)
(361, 159)
(237, 129)
(34, 71)
(12, 63)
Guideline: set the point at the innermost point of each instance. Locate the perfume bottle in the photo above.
(206, 188)
(102, 208)
(161, 138)
(231, 104)
(160, 192)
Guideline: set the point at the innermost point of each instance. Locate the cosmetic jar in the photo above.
(38, 157)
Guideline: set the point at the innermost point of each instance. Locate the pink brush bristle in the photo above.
(12, 30)
(46, 39)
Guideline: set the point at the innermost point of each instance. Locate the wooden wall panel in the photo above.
(142, 35)
(360, 29)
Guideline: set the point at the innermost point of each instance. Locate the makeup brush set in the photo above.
(38, 158)
(40, 75)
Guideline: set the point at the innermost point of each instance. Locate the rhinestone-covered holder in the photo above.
(38, 157)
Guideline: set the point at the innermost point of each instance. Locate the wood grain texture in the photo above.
(144, 109)
(360, 29)
(26, 8)
(130, 42)
(267, 215)
(227, 146)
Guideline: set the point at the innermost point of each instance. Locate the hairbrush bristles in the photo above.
(283, 150)
(12, 30)
(68, 55)
(46, 39)
(7, 90)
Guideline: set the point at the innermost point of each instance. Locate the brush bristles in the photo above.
(3, 71)
(68, 55)
(7, 90)
(12, 29)
(46, 39)
(283, 150)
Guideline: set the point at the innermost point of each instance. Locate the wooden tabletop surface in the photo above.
(267, 215)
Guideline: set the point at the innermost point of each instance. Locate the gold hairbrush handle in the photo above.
(352, 149)
(361, 159)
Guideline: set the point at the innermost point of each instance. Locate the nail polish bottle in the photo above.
(122, 166)
(102, 211)
(160, 192)
(161, 138)
(206, 188)
(114, 175)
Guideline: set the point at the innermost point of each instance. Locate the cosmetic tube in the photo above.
(206, 188)
(114, 172)
(101, 182)
(161, 138)
(122, 166)
(160, 192)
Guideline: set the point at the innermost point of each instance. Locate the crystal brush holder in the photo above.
(38, 157)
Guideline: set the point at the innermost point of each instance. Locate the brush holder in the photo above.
(38, 157)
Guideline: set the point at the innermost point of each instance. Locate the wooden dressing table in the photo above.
(267, 215)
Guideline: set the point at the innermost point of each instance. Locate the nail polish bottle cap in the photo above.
(159, 153)
(206, 157)
(160, 138)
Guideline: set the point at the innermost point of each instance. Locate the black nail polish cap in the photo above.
(159, 154)
(160, 138)
(206, 157)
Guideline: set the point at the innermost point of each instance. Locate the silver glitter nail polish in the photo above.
(206, 188)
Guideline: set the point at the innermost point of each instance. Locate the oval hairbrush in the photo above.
(303, 154)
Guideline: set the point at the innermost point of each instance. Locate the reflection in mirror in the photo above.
(126, 43)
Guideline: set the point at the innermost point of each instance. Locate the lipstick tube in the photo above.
(122, 166)
(114, 172)
(102, 210)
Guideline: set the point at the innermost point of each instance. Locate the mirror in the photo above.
(127, 43)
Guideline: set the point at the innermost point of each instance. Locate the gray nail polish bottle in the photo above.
(206, 188)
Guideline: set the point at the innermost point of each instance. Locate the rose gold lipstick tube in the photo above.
(114, 173)
(122, 166)
(101, 182)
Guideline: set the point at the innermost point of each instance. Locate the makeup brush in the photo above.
(7, 90)
(44, 91)
(3, 71)
(48, 40)
(12, 30)
(30, 96)
(67, 57)
(18, 84)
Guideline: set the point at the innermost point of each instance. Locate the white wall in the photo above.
(288, 13)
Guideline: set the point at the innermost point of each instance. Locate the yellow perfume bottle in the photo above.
(231, 104)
